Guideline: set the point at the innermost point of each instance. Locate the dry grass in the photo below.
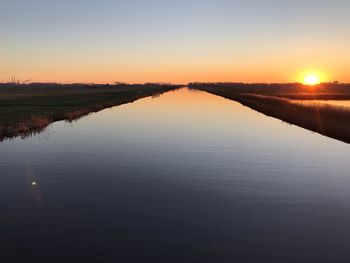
(329, 120)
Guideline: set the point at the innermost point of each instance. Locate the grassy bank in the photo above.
(26, 109)
(332, 121)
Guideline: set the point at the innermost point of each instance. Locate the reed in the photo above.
(328, 120)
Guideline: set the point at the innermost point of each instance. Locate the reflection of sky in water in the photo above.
(187, 171)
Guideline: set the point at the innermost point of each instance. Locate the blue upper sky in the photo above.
(236, 40)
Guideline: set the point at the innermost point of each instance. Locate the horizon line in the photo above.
(170, 83)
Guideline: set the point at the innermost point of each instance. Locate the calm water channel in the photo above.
(184, 177)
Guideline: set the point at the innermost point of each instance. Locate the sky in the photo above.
(179, 41)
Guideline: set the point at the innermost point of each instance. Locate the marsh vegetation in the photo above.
(275, 100)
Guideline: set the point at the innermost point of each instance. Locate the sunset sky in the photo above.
(174, 40)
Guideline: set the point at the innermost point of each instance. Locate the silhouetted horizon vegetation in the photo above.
(327, 91)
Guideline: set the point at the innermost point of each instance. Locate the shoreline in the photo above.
(27, 110)
(327, 120)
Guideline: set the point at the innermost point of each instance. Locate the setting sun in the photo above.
(311, 79)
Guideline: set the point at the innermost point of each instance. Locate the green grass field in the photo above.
(29, 108)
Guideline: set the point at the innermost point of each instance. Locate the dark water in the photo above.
(185, 177)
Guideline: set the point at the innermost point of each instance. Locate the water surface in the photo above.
(183, 177)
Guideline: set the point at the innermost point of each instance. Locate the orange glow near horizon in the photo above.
(176, 75)
(179, 73)
(215, 41)
(312, 79)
